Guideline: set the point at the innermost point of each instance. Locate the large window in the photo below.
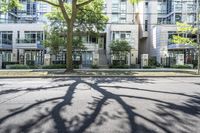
(121, 35)
(31, 8)
(33, 36)
(6, 37)
(119, 9)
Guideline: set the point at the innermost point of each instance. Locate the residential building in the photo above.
(22, 33)
(121, 26)
(157, 20)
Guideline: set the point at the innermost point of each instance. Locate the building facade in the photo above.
(158, 25)
(121, 26)
(148, 26)
(22, 34)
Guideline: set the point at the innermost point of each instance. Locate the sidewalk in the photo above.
(50, 73)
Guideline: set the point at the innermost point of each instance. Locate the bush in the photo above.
(149, 67)
(195, 63)
(181, 66)
(30, 62)
(137, 66)
(8, 63)
(119, 66)
(94, 66)
(75, 66)
(55, 66)
(33, 67)
(152, 61)
(19, 66)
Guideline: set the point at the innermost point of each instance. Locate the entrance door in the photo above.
(87, 59)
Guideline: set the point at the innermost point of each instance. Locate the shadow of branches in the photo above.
(78, 125)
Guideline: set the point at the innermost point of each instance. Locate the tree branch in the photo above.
(84, 3)
(64, 12)
(49, 2)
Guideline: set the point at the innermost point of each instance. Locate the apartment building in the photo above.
(121, 26)
(22, 34)
(157, 20)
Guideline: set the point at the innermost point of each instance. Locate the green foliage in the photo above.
(182, 40)
(94, 66)
(55, 66)
(184, 29)
(120, 49)
(119, 66)
(120, 46)
(54, 41)
(78, 44)
(90, 18)
(19, 66)
(134, 1)
(30, 62)
(181, 66)
(6, 6)
(195, 63)
(149, 67)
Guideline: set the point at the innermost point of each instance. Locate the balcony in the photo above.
(29, 44)
(91, 46)
(5, 46)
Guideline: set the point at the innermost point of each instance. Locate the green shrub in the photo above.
(119, 66)
(75, 66)
(54, 66)
(181, 66)
(152, 61)
(94, 66)
(30, 62)
(195, 63)
(135, 66)
(149, 67)
(33, 67)
(19, 66)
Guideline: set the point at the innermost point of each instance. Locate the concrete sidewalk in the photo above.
(48, 73)
(136, 70)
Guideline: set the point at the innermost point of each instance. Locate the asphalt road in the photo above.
(100, 105)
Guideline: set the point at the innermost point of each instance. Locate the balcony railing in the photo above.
(28, 41)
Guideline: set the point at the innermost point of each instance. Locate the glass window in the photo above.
(6, 37)
(115, 8)
(115, 18)
(33, 36)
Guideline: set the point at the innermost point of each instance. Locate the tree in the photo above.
(120, 49)
(54, 41)
(72, 14)
(183, 31)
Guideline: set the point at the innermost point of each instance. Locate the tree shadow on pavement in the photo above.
(10, 91)
(82, 122)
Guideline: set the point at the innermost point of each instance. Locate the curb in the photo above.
(98, 76)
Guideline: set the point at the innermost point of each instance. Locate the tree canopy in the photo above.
(183, 30)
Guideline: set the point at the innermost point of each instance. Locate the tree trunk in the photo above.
(198, 60)
(69, 60)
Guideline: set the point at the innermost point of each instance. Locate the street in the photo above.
(100, 105)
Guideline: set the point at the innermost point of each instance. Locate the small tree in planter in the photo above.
(120, 49)
(184, 30)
